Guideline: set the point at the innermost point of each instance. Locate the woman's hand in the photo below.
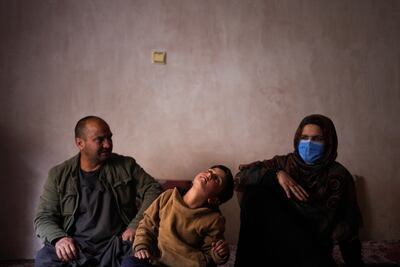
(291, 187)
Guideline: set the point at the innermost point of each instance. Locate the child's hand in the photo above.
(143, 254)
(221, 247)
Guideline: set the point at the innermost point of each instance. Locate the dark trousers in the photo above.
(135, 262)
(47, 257)
(273, 234)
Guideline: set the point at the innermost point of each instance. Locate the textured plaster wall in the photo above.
(240, 76)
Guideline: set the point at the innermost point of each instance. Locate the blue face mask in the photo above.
(310, 151)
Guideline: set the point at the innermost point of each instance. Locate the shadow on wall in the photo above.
(17, 192)
(364, 206)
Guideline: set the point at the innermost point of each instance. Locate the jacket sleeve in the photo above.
(148, 189)
(215, 232)
(49, 220)
(257, 174)
(147, 230)
(275, 164)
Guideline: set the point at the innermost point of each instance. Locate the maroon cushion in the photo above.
(169, 184)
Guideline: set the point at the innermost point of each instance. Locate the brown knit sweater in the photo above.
(180, 236)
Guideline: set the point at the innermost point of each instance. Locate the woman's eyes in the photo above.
(312, 138)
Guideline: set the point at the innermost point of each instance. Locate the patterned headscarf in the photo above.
(330, 141)
(330, 185)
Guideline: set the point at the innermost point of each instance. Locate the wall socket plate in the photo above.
(159, 57)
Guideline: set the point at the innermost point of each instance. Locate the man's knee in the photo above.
(47, 256)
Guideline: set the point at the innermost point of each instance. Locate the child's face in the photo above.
(212, 181)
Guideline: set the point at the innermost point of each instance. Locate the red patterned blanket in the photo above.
(375, 253)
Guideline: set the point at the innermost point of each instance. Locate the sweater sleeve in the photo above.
(147, 230)
(215, 232)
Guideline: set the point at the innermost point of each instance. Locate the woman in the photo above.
(296, 206)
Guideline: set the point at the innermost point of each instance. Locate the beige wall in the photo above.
(239, 78)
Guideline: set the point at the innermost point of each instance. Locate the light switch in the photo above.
(159, 57)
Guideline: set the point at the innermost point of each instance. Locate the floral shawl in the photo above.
(332, 204)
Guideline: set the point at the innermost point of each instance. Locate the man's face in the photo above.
(96, 143)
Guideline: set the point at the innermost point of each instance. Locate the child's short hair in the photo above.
(227, 192)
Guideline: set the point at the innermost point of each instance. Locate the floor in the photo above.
(375, 253)
(17, 263)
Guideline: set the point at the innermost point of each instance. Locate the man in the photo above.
(87, 214)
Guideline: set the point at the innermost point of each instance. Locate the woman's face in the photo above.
(312, 132)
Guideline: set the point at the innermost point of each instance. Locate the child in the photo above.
(185, 229)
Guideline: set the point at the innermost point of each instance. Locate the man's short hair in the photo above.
(81, 125)
(227, 192)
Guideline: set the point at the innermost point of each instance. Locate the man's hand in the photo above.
(66, 249)
(129, 234)
(143, 254)
(291, 187)
(221, 248)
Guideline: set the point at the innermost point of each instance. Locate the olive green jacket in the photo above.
(59, 201)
